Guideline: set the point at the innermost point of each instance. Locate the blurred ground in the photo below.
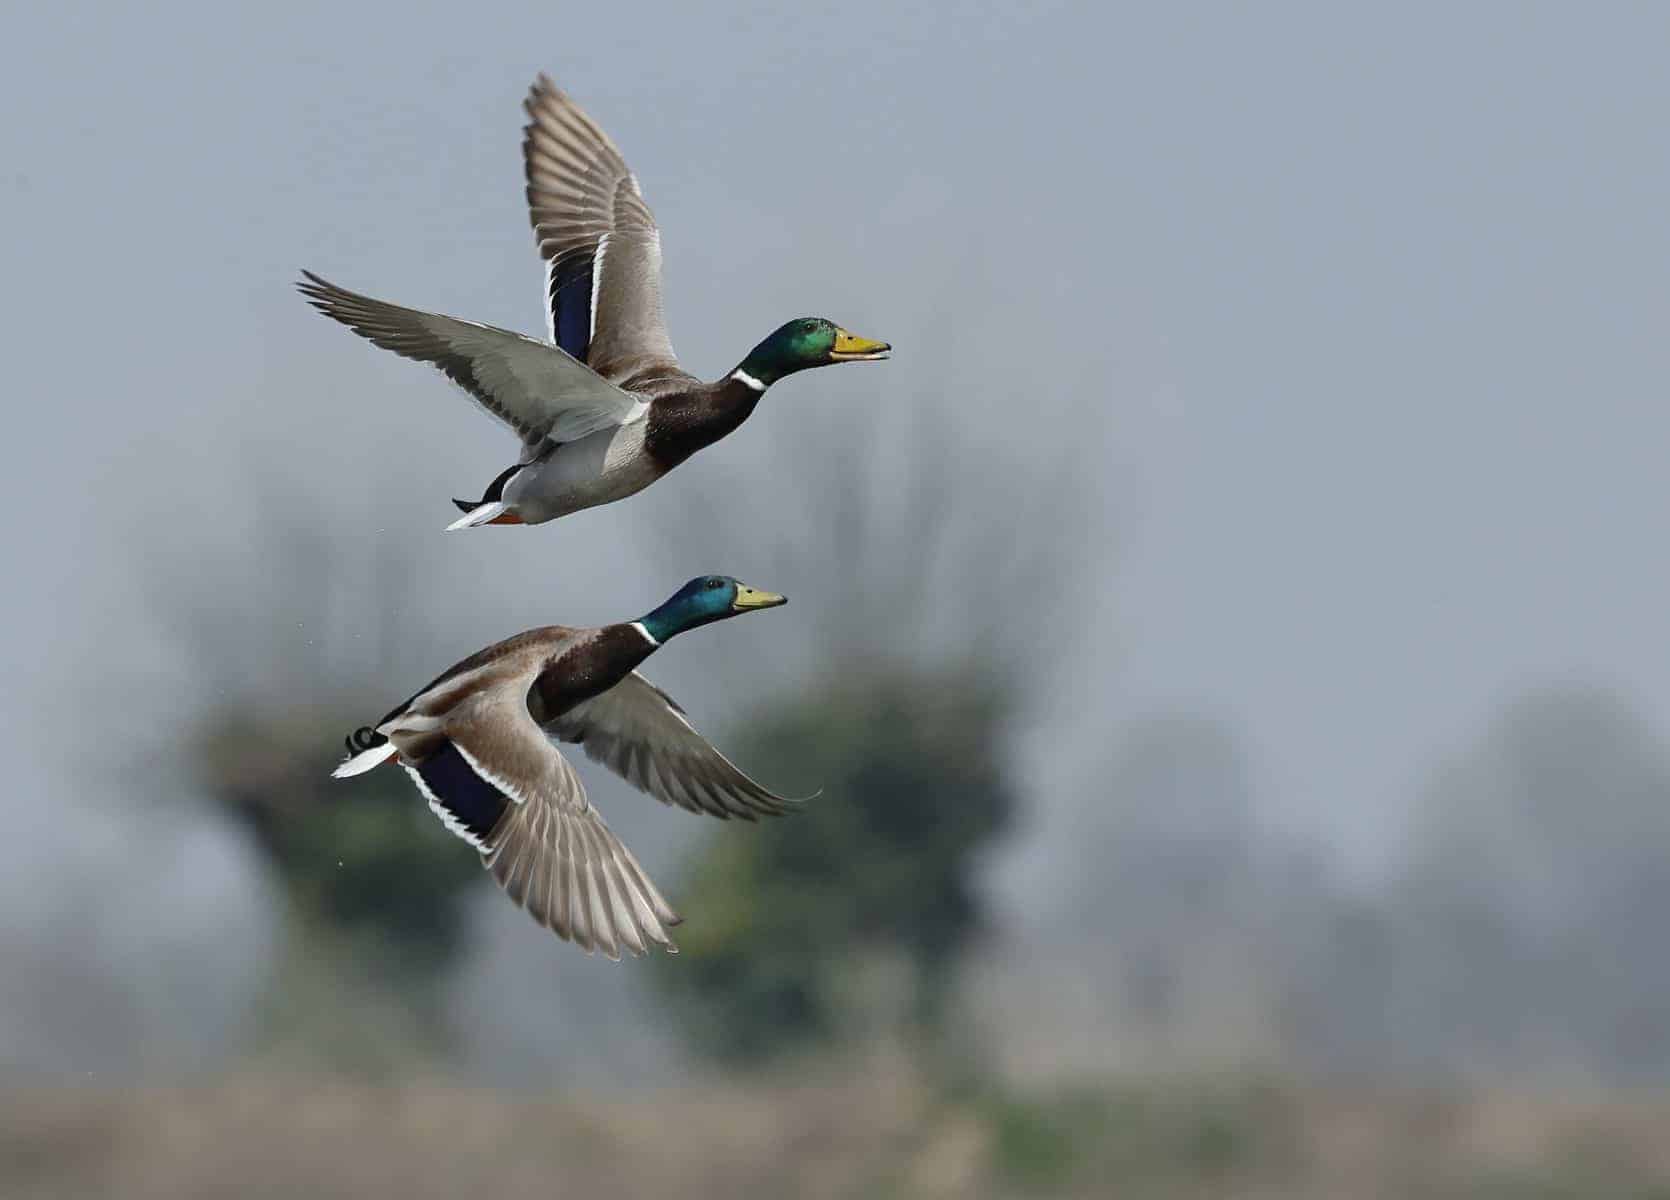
(879, 1132)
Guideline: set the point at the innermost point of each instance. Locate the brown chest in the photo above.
(682, 424)
(585, 670)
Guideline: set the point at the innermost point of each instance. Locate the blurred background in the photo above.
(1228, 634)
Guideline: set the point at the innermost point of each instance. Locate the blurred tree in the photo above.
(880, 865)
(1519, 933)
(1200, 906)
(1172, 869)
(1531, 900)
(373, 885)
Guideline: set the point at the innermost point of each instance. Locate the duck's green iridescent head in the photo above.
(807, 342)
(703, 600)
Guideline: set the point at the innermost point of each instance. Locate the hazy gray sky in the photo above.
(1377, 303)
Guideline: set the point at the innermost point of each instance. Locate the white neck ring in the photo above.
(747, 380)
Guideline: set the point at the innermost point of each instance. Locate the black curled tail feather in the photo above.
(362, 739)
(494, 492)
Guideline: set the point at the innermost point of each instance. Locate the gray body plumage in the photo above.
(599, 468)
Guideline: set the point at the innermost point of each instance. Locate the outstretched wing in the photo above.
(638, 732)
(495, 780)
(538, 390)
(598, 238)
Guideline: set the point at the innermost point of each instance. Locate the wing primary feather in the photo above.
(602, 924)
(663, 911)
(579, 903)
(562, 871)
(614, 895)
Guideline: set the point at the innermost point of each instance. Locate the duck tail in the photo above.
(496, 512)
(366, 749)
(491, 508)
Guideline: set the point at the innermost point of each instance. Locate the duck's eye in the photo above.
(714, 585)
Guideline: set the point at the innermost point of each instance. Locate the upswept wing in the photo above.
(598, 238)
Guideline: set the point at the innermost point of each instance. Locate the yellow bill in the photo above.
(849, 347)
(747, 598)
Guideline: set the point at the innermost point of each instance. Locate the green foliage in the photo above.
(360, 856)
(373, 885)
(1042, 1144)
(879, 865)
(1143, 1134)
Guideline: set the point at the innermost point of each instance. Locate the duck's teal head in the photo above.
(703, 600)
(807, 342)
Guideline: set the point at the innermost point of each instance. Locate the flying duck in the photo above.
(602, 407)
(479, 743)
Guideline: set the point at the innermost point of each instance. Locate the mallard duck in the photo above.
(603, 408)
(477, 742)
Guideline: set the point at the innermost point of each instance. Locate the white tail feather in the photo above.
(479, 515)
(362, 762)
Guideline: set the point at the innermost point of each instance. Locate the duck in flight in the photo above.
(479, 743)
(602, 408)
